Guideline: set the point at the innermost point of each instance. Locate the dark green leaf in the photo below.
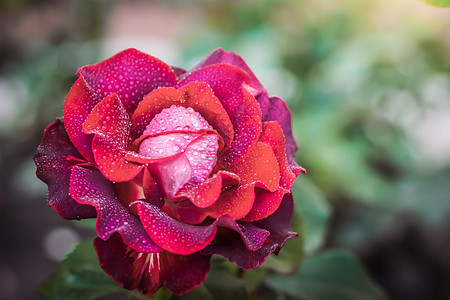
(79, 276)
(329, 275)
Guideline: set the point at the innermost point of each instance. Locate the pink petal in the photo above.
(130, 74)
(90, 187)
(171, 234)
(110, 124)
(172, 174)
(231, 86)
(166, 145)
(147, 272)
(55, 157)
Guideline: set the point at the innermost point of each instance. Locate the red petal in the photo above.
(54, 159)
(231, 84)
(206, 193)
(90, 187)
(147, 272)
(219, 56)
(111, 125)
(131, 74)
(235, 202)
(79, 103)
(260, 166)
(171, 234)
(266, 203)
(196, 95)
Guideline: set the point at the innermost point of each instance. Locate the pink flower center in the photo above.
(178, 134)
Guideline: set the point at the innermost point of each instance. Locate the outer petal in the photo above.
(228, 244)
(278, 111)
(56, 155)
(252, 236)
(171, 234)
(266, 203)
(111, 125)
(90, 187)
(147, 272)
(279, 223)
(130, 74)
(79, 103)
(232, 87)
(219, 56)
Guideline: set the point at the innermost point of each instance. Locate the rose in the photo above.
(176, 166)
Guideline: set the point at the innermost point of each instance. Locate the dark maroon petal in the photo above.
(171, 234)
(55, 157)
(111, 125)
(279, 112)
(90, 187)
(147, 272)
(179, 72)
(279, 223)
(229, 244)
(130, 74)
(252, 236)
(233, 87)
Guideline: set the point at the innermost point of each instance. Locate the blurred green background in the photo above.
(368, 84)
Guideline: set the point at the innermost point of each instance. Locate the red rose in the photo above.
(175, 165)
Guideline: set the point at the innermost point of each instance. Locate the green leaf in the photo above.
(441, 3)
(314, 209)
(329, 275)
(292, 254)
(79, 276)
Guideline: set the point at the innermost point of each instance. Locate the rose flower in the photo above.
(176, 166)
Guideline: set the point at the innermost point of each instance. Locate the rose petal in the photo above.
(90, 187)
(176, 118)
(202, 156)
(260, 166)
(172, 174)
(197, 95)
(151, 189)
(266, 203)
(110, 124)
(79, 103)
(229, 244)
(130, 74)
(166, 145)
(219, 56)
(279, 223)
(229, 84)
(54, 159)
(171, 234)
(147, 272)
(252, 236)
(278, 111)
(235, 202)
(207, 192)
(273, 136)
